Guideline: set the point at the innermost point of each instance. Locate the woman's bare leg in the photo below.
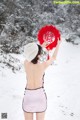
(28, 116)
(40, 116)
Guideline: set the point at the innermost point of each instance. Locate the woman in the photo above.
(35, 99)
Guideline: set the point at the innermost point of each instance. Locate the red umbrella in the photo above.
(50, 34)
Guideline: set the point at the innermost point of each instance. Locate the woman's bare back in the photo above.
(34, 74)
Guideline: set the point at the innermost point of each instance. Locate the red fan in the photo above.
(49, 34)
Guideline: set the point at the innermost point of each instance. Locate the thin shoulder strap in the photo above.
(43, 80)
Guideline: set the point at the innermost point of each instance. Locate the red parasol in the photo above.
(50, 34)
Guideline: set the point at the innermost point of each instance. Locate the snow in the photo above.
(62, 85)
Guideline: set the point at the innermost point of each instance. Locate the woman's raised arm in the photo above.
(49, 62)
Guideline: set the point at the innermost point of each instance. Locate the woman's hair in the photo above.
(35, 60)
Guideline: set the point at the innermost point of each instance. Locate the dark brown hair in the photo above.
(35, 60)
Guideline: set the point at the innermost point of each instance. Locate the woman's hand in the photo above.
(45, 43)
(59, 42)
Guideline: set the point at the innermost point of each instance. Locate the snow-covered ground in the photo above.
(62, 85)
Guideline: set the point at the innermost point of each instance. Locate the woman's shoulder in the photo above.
(25, 62)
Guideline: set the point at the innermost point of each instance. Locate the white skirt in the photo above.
(34, 100)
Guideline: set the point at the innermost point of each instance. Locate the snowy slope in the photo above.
(62, 85)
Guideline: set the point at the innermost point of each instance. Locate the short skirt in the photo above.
(34, 100)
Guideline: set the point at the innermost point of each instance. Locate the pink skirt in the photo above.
(34, 100)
